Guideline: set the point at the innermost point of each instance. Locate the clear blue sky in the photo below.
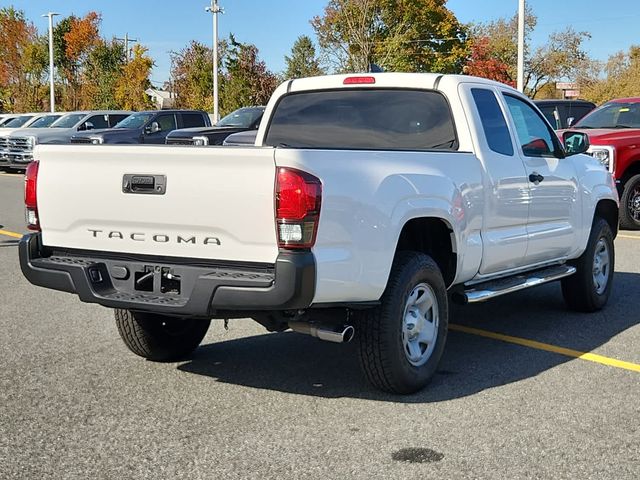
(274, 25)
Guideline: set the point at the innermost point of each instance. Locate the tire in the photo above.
(386, 338)
(160, 338)
(630, 204)
(588, 289)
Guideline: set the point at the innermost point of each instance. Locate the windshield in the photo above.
(18, 121)
(613, 115)
(68, 121)
(136, 120)
(243, 117)
(4, 121)
(45, 121)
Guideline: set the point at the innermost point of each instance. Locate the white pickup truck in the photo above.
(366, 203)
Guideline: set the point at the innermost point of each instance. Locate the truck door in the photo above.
(506, 210)
(555, 204)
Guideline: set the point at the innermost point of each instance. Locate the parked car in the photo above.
(245, 138)
(7, 117)
(19, 149)
(29, 120)
(370, 199)
(564, 113)
(146, 127)
(37, 120)
(243, 119)
(614, 136)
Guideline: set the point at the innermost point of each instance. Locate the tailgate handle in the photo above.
(144, 184)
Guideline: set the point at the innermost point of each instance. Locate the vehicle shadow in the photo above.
(298, 364)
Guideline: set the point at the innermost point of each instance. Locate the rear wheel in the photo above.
(401, 341)
(158, 337)
(589, 288)
(630, 204)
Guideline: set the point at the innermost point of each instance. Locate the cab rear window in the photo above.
(367, 119)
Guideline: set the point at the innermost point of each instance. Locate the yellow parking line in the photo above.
(592, 357)
(635, 237)
(10, 234)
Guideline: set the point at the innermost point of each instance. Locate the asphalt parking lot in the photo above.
(74, 403)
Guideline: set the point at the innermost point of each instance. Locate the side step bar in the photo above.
(481, 292)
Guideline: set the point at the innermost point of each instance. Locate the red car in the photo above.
(614, 135)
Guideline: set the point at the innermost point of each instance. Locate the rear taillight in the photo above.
(31, 196)
(298, 199)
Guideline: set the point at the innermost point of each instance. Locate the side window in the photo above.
(166, 122)
(99, 121)
(493, 122)
(535, 137)
(192, 120)
(115, 118)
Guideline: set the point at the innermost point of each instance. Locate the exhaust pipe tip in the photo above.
(340, 335)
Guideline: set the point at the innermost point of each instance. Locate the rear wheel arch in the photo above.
(434, 237)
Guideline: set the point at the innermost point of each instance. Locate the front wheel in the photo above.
(401, 341)
(630, 204)
(158, 337)
(589, 288)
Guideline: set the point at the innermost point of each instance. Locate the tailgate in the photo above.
(216, 203)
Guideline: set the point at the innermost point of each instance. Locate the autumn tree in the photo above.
(621, 78)
(247, 79)
(397, 35)
(74, 38)
(131, 86)
(19, 67)
(104, 67)
(192, 76)
(303, 61)
(482, 63)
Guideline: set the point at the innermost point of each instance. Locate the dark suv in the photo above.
(240, 120)
(145, 127)
(564, 113)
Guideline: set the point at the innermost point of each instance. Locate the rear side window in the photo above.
(192, 120)
(115, 118)
(368, 119)
(493, 121)
(99, 121)
(166, 122)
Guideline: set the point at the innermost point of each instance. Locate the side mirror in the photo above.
(575, 142)
(153, 128)
(570, 121)
(86, 126)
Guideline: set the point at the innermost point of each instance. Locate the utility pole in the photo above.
(52, 93)
(521, 14)
(214, 9)
(126, 41)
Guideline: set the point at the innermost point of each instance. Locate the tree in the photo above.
(303, 61)
(561, 57)
(482, 63)
(397, 35)
(16, 36)
(192, 75)
(621, 78)
(247, 79)
(103, 69)
(131, 86)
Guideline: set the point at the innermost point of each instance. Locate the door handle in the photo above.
(536, 178)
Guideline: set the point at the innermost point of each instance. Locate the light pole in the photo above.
(521, 14)
(52, 93)
(215, 10)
